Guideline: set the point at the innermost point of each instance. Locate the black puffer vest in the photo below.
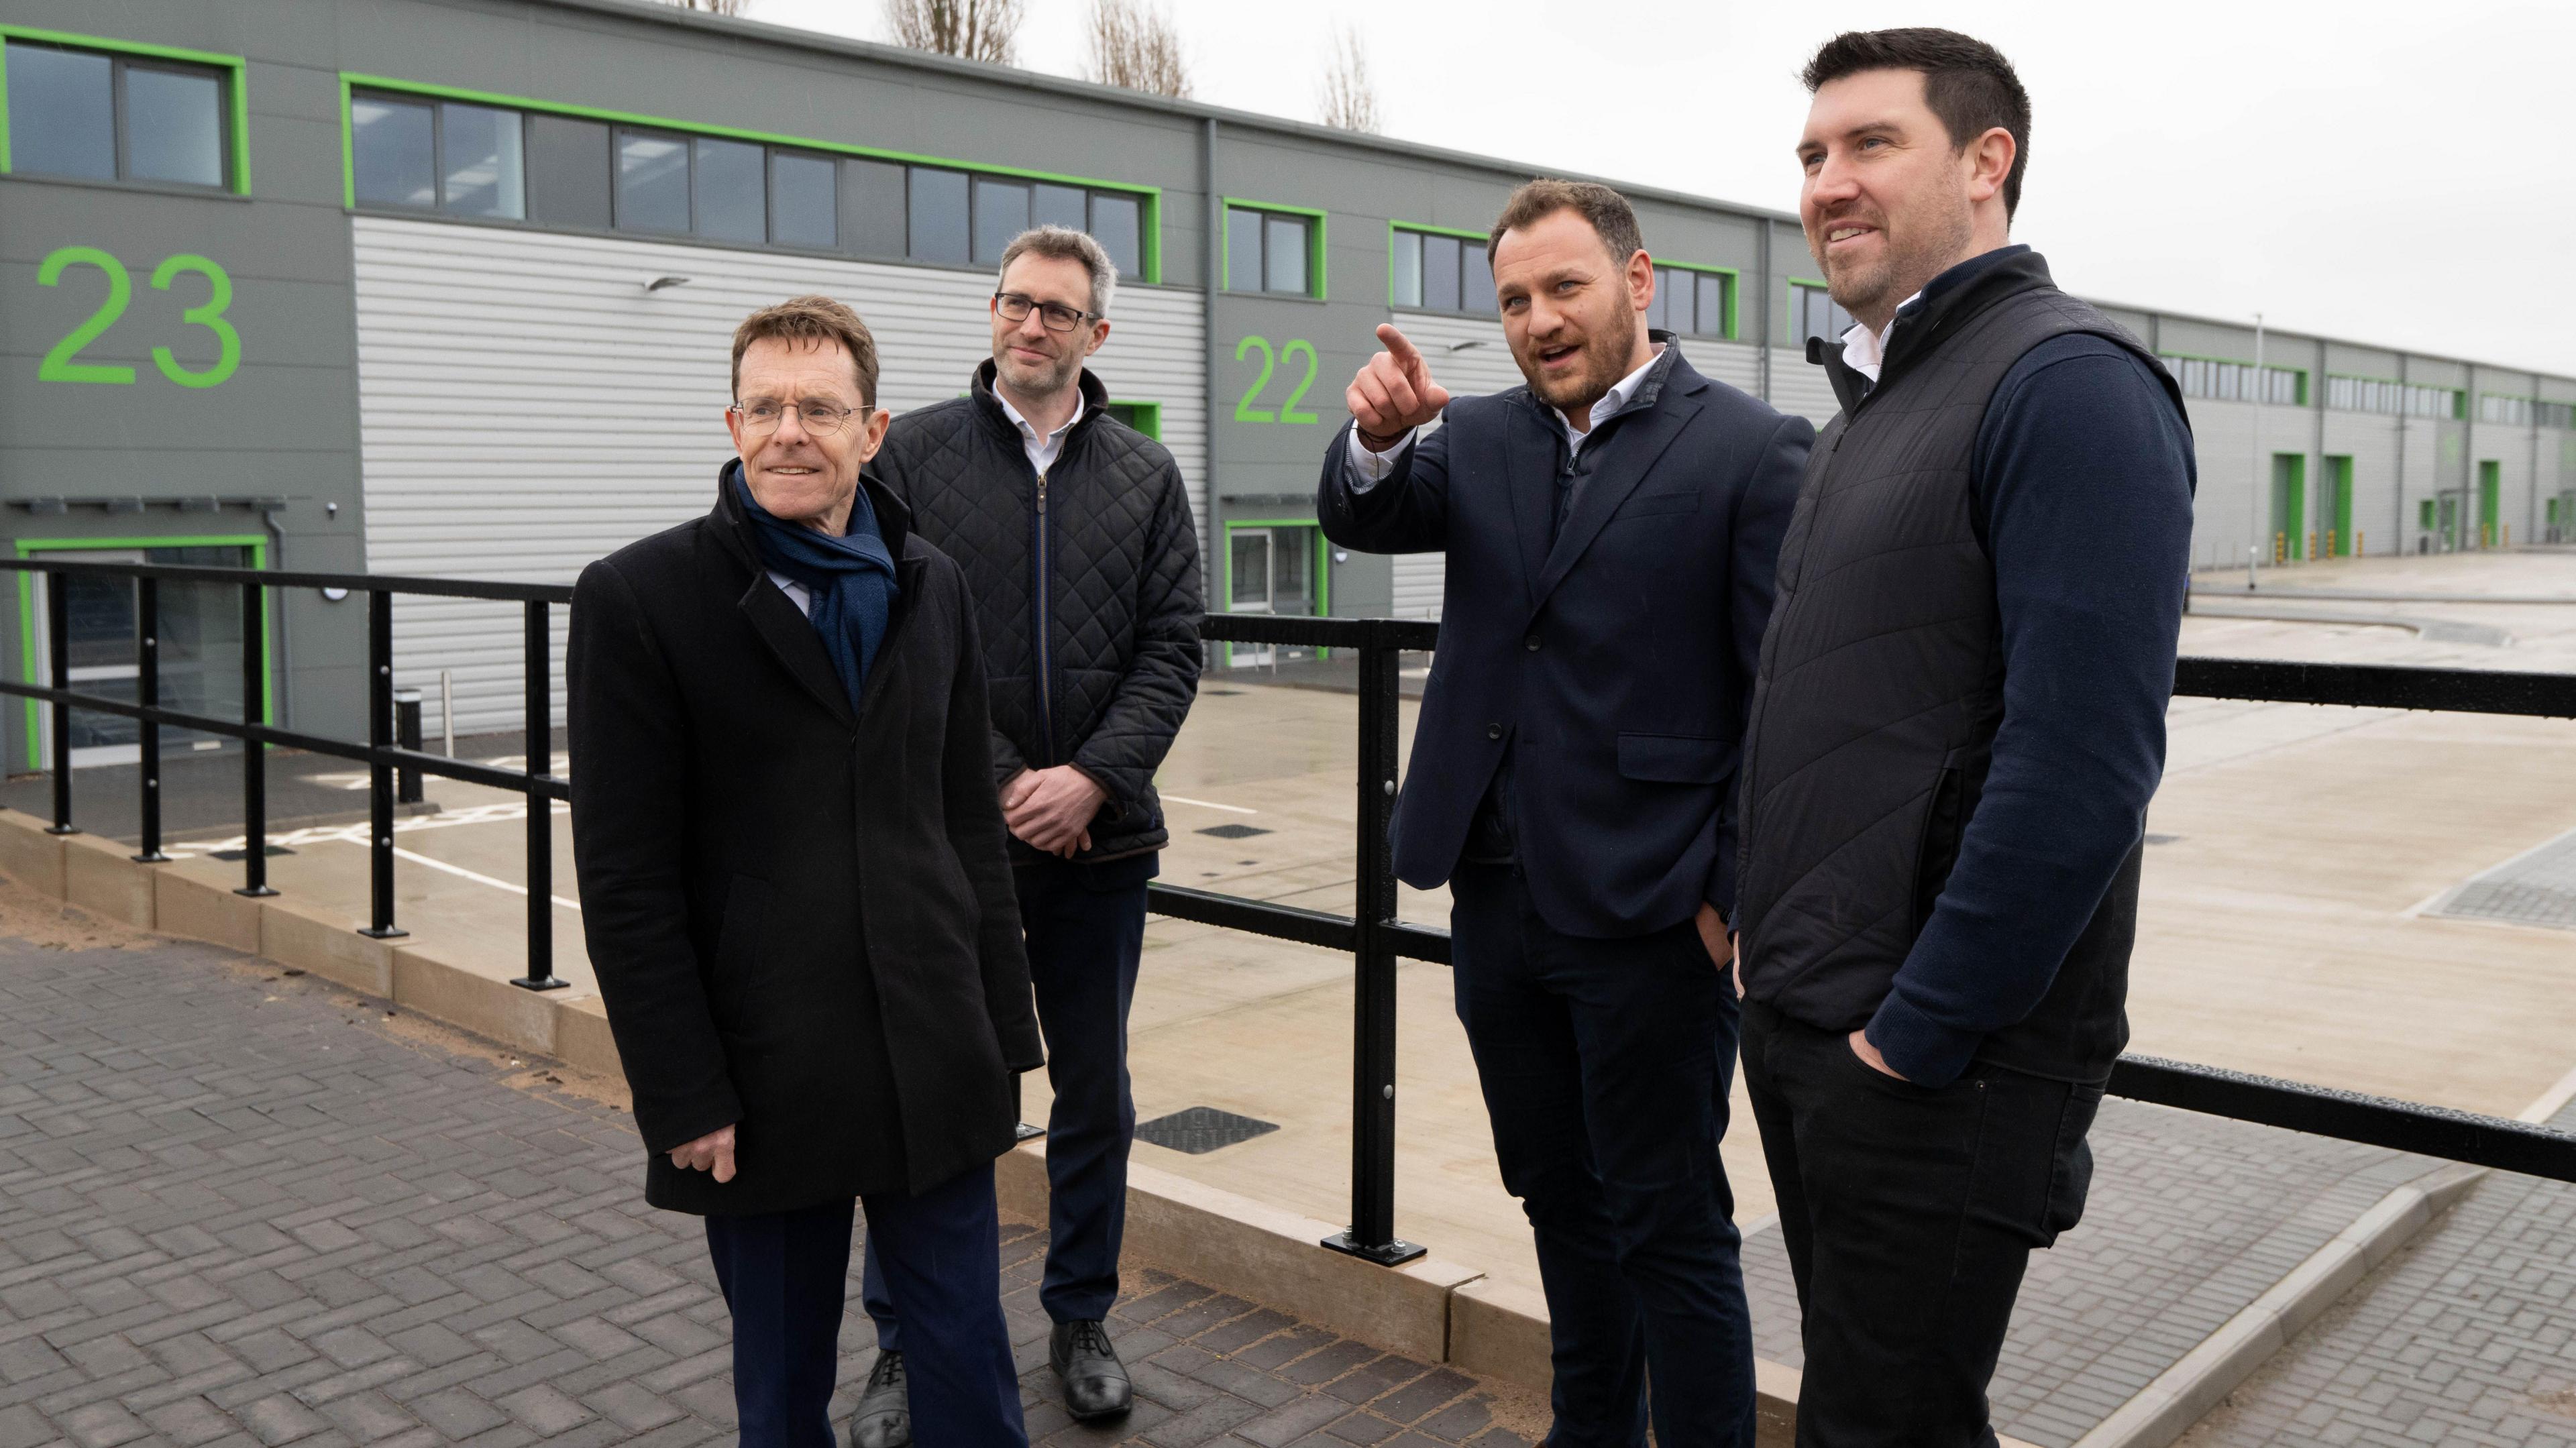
(1881, 686)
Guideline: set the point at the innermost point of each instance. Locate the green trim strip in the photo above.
(1314, 242)
(256, 543)
(236, 85)
(1427, 229)
(1150, 196)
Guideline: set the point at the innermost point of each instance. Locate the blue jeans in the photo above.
(784, 1276)
(1605, 1066)
(1086, 931)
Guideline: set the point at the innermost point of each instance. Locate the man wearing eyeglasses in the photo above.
(796, 889)
(1074, 530)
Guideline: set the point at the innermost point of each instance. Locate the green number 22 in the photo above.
(61, 362)
(1244, 411)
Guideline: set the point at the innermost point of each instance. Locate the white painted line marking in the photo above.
(2551, 1101)
(460, 871)
(1210, 804)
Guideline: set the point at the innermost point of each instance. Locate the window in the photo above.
(2235, 381)
(2524, 411)
(105, 117)
(471, 159)
(1145, 417)
(1690, 302)
(2392, 399)
(1812, 313)
(1440, 272)
(1273, 251)
(466, 160)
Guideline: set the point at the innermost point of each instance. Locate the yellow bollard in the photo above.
(2280, 548)
(2360, 544)
(2312, 547)
(2508, 535)
(2330, 543)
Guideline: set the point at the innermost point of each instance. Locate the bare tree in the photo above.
(712, 7)
(1348, 96)
(969, 29)
(1138, 48)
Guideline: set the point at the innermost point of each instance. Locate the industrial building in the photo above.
(438, 287)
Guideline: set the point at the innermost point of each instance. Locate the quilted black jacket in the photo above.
(1097, 667)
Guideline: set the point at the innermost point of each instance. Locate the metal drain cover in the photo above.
(1234, 832)
(2538, 888)
(1198, 1130)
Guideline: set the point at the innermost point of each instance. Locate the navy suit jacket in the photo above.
(1615, 664)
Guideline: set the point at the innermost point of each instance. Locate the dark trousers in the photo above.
(784, 1276)
(1605, 1066)
(1086, 930)
(1909, 1213)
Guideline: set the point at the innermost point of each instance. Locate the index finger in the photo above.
(1403, 350)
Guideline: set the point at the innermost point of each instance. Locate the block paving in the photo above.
(244, 1208)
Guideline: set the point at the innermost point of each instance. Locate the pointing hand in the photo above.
(1394, 393)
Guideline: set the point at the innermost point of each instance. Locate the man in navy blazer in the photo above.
(1610, 531)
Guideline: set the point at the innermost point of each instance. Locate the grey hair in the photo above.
(1063, 243)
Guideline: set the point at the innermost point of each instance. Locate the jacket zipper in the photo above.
(1045, 680)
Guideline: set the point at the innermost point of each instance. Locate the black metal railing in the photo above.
(1373, 935)
(384, 758)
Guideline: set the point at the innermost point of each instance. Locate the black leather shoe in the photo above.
(1095, 1381)
(884, 1419)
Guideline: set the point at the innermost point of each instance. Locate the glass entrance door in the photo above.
(200, 647)
(1270, 568)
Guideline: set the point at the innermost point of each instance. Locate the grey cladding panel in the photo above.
(568, 172)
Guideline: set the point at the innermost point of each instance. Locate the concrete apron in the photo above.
(1430, 1309)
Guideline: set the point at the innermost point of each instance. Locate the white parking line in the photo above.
(1210, 804)
(459, 870)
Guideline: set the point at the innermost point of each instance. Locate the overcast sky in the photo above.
(2376, 171)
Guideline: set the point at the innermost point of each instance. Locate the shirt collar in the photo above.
(1617, 397)
(1029, 429)
(1865, 351)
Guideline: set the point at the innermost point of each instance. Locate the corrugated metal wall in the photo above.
(526, 406)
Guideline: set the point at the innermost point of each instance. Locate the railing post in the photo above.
(58, 648)
(380, 770)
(1372, 1230)
(541, 809)
(254, 683)
(147, 692)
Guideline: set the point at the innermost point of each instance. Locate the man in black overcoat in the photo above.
(1610, 530)
(796, 895)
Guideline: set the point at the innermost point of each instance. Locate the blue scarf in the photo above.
(850, 580)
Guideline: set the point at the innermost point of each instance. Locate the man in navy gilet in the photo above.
(1959, 723)
(1609, 532)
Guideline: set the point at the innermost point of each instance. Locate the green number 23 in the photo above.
(1244, 411)
(61, 362)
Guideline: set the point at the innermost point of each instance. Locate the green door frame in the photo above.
(2490, 500)
(2339, 503)
(2290, 503)
(27, 547)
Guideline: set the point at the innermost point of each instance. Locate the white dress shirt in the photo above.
(1368, 469)
(1865, 351)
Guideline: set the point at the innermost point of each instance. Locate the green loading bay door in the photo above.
(2289, 506)
(2339, 507)
(2490, 502)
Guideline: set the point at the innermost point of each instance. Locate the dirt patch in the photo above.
(49, 924)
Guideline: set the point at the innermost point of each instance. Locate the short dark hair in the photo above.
(1607, 211)
(1966, 82)
(812, 319)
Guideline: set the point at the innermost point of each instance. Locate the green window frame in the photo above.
(1149, 199)
(1795, 315)
(257, 543)
(1145, 417)
(1730, 279)
(1408, 286)
(1313, 217)
(233, 72)
(2198, 378)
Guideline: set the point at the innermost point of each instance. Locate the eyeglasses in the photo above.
(1015, 307)
(820, 418)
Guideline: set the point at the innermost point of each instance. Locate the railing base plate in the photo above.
(1022, 1131)
(262, 893)
(62, 829)
(530, 982)
(390, 932)
(154, 858)
(1394, 1253)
